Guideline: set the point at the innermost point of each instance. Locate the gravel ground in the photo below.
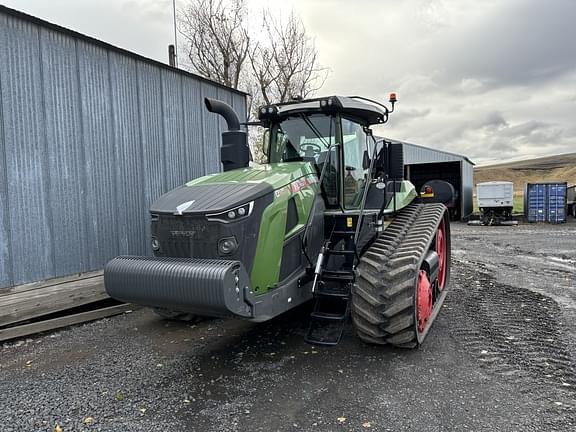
(500, 357)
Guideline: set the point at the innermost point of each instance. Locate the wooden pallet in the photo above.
(32, 302)
(68, 320)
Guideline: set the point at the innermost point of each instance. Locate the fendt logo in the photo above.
(183, 207)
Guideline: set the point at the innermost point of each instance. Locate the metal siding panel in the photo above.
(64, 151)
(25, 150)
(5, 241)
(414, 154)
(100, 156)
(83, 135)
(211, 132)
(174, 143)
(132, 211)
(193, 107)
(151, 130)
(152, 136)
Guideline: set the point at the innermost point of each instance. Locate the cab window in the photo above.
(356, 153)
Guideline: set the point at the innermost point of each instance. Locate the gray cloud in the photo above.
(525, 42)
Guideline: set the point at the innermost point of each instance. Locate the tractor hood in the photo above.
(219, 192)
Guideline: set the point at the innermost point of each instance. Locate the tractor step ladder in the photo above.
(332, 292)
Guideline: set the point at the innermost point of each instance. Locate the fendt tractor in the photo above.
(329, 218)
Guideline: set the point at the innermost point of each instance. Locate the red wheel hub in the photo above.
(424, 300)
(441, 250)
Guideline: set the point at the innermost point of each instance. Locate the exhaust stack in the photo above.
(234, 152)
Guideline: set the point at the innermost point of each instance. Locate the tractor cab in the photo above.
(334, 135)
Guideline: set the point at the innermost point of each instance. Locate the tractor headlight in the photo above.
(227, 245)
(330, 103)
(232, 214)
(267, 111)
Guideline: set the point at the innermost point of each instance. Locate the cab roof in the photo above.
(352, 106)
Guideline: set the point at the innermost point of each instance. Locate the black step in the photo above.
(337, 289)
(341, 252)
(337, 276)
(328, 316)
(325, 332)
(344, 232)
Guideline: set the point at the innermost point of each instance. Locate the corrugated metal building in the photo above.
(423, 164)
(90, 134)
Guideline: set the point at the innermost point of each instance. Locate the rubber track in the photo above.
(383, 306)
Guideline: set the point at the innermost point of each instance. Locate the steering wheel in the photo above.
(315, 148)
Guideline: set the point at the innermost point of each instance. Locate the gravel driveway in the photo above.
(501, 357)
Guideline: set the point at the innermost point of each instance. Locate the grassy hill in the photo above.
(559, 168)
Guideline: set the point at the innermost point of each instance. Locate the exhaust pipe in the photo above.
(234, 153)
(225, 111)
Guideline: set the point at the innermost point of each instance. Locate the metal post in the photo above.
(172, 55)
(175, 54)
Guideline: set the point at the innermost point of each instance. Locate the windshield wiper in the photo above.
(315, 130)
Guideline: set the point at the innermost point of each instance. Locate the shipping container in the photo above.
(545, 202)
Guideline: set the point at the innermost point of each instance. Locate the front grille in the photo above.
(193, 236)
(187, 237)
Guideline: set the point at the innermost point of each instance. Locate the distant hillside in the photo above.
(547, 169)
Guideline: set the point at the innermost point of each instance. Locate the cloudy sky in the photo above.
(492, 79)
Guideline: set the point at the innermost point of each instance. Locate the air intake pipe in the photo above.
(235, 152)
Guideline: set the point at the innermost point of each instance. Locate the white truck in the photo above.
(495, 200)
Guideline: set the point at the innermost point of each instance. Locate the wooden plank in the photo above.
(52, 324)
(84, 285)
(39, 302)
(48, 283)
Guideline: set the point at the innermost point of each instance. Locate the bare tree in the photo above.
(217, 39)
(274, 64)
(285, 62)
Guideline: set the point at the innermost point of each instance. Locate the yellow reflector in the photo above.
(349, 222)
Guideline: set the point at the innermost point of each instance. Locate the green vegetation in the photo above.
(518, 204)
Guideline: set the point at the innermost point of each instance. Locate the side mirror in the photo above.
(266, 143)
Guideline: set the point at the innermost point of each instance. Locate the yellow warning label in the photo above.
(426, 195)
(349, 222)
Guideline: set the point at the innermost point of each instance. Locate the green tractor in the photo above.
(329, 218)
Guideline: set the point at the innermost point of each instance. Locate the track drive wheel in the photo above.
(394, 300)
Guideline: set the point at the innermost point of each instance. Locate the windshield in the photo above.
(302, 138)
(308, 138)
